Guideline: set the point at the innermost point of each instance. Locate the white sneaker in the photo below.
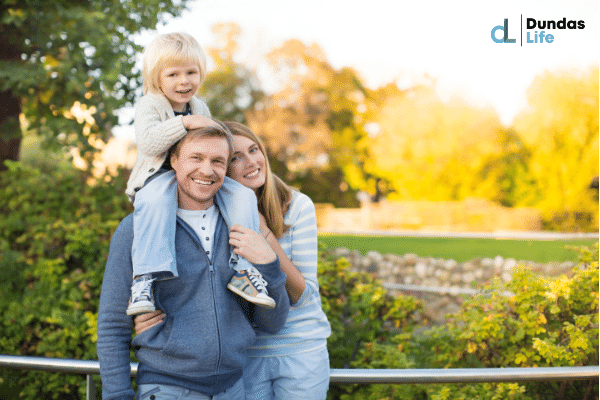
(142, 296)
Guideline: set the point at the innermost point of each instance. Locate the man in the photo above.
(199, 349)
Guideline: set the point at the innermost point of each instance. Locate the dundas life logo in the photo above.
(500, 33)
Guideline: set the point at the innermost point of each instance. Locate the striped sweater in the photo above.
(307, 327)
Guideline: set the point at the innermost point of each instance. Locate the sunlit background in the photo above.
(390, 115)
(450, 115)
(401, 41)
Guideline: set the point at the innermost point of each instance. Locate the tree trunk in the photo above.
(10, 128)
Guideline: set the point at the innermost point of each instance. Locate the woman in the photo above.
(294, 363)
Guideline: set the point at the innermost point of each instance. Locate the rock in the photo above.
(420, 269)
(509, 264)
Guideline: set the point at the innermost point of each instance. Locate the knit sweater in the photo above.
(307, 327)
(156, 130)
(201, 343)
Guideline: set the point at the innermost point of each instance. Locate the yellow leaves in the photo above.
(560, 287)
(377, 296)
(471, 347)
(50, 62)
(520, 358)
(542, 319)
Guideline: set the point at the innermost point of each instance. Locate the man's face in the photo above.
(200, 169)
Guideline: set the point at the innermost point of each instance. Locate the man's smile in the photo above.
(206, 182)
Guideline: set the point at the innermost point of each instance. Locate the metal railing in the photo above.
(341, 376)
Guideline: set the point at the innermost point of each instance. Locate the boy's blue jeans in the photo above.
(155, 218)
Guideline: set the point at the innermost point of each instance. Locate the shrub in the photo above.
(532, 321)
(54, 236)
(364, 320)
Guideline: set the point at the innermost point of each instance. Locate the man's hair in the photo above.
(219, 131)
(172, 49)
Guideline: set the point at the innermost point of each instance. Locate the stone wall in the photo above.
(470, 215)
(441, 284)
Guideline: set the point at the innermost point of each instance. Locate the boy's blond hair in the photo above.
(171, 49)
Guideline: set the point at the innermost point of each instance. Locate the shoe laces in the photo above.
(142, 288)
(257, 279)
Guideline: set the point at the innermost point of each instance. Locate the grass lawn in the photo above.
(460, 249)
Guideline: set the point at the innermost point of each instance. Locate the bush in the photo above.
(532, 321)
(55, 231)
(365, 320)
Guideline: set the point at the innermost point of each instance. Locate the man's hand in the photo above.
(250, 245)
(148, 320)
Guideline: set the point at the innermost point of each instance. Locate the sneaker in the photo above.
(251, 286)
(142, 296)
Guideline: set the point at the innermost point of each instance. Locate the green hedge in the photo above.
(55, 229)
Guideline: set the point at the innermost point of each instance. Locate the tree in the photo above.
(433, 150)
(560, 127)
(67, 65)
(231, 89)
(314, 123)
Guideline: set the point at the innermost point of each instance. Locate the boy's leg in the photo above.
(153, 249)
(238, 206)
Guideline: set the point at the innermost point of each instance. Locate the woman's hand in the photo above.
(251, 245)
(144, 321)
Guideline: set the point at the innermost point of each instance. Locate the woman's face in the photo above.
(248, 163)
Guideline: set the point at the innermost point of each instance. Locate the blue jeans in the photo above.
(303, 376)
(155, 218)
(168, 392)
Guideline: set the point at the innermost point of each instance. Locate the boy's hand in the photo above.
(197, 121)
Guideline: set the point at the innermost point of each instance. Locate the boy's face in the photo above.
(179, 84)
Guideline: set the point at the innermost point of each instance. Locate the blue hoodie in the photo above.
(201, 345)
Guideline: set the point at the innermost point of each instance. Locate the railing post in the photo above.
(90, 388)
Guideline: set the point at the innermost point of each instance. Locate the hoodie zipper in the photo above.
(211, 269)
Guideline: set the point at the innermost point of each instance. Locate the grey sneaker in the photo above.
(251, 286)
(142, 296)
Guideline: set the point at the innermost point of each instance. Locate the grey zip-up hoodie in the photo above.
(201, 344)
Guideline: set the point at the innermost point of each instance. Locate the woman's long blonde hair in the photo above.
(274, 196)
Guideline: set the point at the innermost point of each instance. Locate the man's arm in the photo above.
(267, 320)
(114, 326)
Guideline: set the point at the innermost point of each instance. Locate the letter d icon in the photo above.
(504, 29)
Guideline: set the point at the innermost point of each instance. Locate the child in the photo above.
(174, 67)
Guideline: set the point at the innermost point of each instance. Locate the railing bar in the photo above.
(459, 375)
(342, 376)
(90, 388)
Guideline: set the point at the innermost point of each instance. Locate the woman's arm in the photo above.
(295, 283)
